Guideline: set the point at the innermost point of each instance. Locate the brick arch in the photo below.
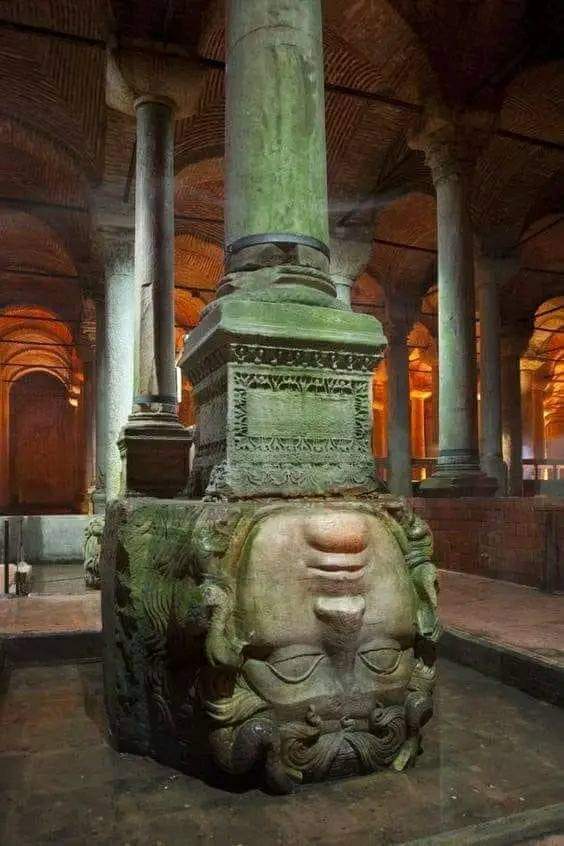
(33, 339)
(35, 166)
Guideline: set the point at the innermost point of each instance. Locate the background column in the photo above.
(155, 446)
(458, 470)
(99, 493)
(512, 348)
(399, 417)
(118, 253)
(491, 274)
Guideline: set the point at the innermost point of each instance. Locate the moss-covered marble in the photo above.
(290, 639)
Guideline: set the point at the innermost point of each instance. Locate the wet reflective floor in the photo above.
(492, 772)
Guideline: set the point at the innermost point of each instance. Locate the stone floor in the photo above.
(492, 772)
(58, 578)
(522, 618)
(52, 614)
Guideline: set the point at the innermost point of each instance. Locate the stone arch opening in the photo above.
(42, 465)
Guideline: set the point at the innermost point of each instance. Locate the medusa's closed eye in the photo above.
(295, 665)
(381, 659)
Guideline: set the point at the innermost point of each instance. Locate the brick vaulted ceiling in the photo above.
(66, 159)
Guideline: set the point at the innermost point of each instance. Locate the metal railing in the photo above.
(543, 470)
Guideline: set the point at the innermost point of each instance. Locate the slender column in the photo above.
(89, 428)
(435, 380)
(418, 424)
(539, 423)
(154, 445)
(512, 348)
(458, 470)
(118, 343)
(155, 377)
(399, 418)
(276, 173)
(99, 494)
(491, 274)
(527, 416)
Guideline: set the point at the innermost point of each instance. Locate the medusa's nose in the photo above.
(337, 532)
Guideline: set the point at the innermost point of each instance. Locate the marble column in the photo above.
(458, 470)
(117, 387)
(155, 446)
(512, 348)
(276, 223)
(276, 307)
(528, 414)
(99, 493)
(348, 260)
(435, 382)
(539, 386)
(491, 274)
(398, 326)
(89, 431)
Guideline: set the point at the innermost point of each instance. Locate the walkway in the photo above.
(492, 771)
(517, 617)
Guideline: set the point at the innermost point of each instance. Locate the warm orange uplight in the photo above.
(73, 401)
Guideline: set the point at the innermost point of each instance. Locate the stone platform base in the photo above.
(290, 639)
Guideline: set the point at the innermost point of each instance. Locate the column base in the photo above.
(494, 467)
(155, 453)
(458, 482)
(453, 483)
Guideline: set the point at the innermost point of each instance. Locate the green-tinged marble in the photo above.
(230, 640)
(284, 399)
(276, 178)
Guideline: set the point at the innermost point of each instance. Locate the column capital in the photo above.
(137, 74)
(349, 257)
(114, 244)
(401, 313)
(452, 141)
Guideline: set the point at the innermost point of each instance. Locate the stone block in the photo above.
(284, 640)
(284, 398)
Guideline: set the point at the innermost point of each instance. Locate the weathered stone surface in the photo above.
(293, 638)
(284, 398)
(275, 144)
(92, 549)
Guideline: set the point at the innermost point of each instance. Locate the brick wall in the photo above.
(519, 540)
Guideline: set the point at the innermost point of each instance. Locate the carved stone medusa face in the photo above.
(327, 610)
(326, 605)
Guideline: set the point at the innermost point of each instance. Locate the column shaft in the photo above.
(458, 470)
(527, 419)
(276, 172)
(119, 340)
(89, 429)
(458, 434)
(539, 426)
(399, 421)
(155, 377)
(512, 422)
(490, 376)
(99, 495)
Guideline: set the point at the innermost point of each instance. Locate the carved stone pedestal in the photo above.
(155, 451)
(284, 640)
(284, 397)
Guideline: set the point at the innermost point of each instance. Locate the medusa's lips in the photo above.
(344, 568)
